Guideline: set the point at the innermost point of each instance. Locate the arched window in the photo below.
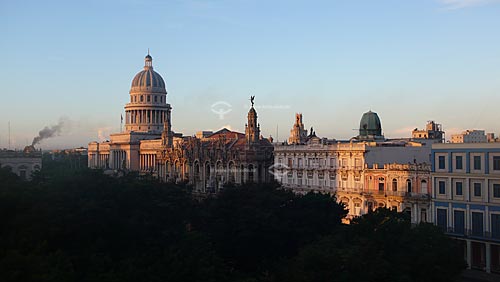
(408, 185)
(196, 171)
(242, 174)
(381, 184)
(250, 173)
(423, 187)
(394, 184)
(232, 173)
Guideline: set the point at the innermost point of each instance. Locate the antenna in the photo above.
(148, 51)
(9, 134)
(277, 136)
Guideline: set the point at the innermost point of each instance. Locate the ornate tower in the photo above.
(298, 134)
(147, 110)
(252, 128)
(167, 136)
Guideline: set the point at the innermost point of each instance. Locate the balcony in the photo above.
(473, 234)
(364, 191)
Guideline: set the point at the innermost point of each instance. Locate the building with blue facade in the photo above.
(466, 199)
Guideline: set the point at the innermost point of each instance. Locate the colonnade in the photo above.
(145, 116)
(97, 160)
(147, 162)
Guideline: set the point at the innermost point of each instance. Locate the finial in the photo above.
(148, 51)
(251, 100)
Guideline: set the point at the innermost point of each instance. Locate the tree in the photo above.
(256, 226)
(380, 246)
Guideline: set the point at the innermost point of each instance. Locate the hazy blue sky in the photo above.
(409, 61)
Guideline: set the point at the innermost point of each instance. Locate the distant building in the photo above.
(206, 161)
(298, 134)
(365, 172)
(433, 131)
(466, 199)
(490, 137)
(23, 163)
(469, 136)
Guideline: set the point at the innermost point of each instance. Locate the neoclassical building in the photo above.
(366, 172)
(149, 146)
(23, 163)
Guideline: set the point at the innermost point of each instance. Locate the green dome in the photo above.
(370, 125)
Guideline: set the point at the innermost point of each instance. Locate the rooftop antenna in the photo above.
(9, 134)
(277, 136)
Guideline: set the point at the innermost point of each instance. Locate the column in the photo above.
(449, 195)
(469, 254)
(488, 257)
(467, 189)
(415, 213)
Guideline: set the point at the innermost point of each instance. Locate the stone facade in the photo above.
(360, 172)
(23, 163)
(149, 146)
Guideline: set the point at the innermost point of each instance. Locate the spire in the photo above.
(252, 129)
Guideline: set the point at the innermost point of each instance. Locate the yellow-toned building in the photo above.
(366, 172)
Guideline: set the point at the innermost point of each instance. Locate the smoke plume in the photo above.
(48, 132)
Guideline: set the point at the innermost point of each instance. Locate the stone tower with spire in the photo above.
(298, 134)
(252, 128)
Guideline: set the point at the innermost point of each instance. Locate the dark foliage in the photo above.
(75, 224)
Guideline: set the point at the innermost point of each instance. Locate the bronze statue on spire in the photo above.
(251, 100)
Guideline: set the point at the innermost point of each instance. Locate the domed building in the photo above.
(147, 110)
(149, 146)
(370, 127)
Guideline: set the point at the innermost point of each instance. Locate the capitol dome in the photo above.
(148, 79)
(370, 126)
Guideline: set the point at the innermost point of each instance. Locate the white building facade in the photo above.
(469, 136)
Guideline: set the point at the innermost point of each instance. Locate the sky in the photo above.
(409, 61)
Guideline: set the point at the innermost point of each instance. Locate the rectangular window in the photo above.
(496, 163)
(496, 190)
(477, 189)
(477, 224)
(441, 162)
(442, 187)
(459, 162)
(458, 188)
(459, 222)
(495, 226)
(477, 162)
(149, 98)
(442, 219)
